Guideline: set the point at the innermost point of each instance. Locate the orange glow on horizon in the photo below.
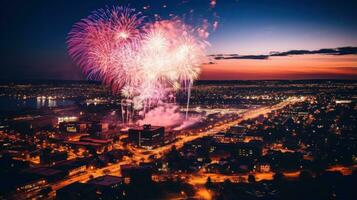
(284, 67)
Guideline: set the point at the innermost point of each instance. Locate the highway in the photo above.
(144, 155)
(141, 155)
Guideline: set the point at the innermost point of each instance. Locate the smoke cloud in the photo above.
(169, 115)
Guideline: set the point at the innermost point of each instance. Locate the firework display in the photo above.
(144, 61)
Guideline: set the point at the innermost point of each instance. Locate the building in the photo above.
(237, 129)
(104, 187)
(72, 167)
(98, 128)
(30, 124)
(93, 145)
(21, 186)
(108, 187)
(72, 127)
(107, 180)
(138, 175)
(253, 149)
(147, 136)
(48, 174)
(8, 164)
(263, 167)
(169, 137)
(76, 191)
(227, 138)
(50, 158)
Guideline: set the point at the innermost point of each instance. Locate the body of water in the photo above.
(13, 104)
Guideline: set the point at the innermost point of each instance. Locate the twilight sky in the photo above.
(33, 35)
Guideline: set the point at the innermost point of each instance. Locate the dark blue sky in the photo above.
(33, 33)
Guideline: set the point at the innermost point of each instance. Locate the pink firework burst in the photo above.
(142, 61)
(95, 41)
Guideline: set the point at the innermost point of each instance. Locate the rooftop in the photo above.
(106, 180)
(42, 171)
(146, 127)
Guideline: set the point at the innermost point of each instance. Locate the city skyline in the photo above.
(178, 99)
(248, 140)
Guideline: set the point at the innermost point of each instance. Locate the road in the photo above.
(200, 178)
(140, 155)
(144, 155)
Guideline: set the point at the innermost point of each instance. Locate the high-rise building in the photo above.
(147, 136)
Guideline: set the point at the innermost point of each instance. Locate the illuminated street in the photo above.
(140, 155)
(178, 100)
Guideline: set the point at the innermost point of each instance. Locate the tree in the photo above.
(209, 182)
(251, 178)
(278, 176)
(227, 183)
(305, 176)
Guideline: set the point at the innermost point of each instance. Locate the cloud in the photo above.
(254, 57)
(169, 115)
(291, 52)
(328, 51)
(335, 51)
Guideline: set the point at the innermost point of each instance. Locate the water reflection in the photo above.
(42, 102)
(9, 103)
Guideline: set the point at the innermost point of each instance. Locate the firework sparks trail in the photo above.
(144, 61)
